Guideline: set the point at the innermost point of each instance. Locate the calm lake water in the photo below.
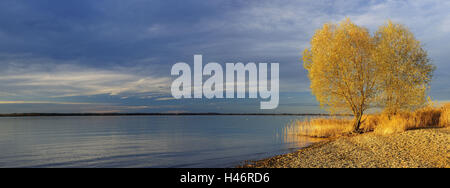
(143, 141)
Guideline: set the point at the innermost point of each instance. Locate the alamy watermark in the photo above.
(216, 86)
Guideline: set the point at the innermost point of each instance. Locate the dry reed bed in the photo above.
(380, 124)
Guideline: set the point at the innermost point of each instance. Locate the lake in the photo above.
(143, 141)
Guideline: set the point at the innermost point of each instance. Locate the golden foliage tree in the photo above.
(351, 71)
(341, 69)
(406, 69)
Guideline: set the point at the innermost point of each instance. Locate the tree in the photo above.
(406, 69)
(343, 74)
(352, 71)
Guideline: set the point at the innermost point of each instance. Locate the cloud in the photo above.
(29, 79)
(125, 49)
(8, 107)
(165, 99)
(46, 102)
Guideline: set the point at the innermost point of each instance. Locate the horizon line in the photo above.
(166, 114)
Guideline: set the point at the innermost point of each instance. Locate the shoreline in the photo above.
(421, 148)
(160, 114)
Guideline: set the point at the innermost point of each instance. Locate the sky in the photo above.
(84, 56)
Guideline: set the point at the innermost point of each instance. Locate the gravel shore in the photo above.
(422, 148)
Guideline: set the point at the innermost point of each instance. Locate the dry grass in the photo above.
(381, 124)
(423, 118)
(445, 116)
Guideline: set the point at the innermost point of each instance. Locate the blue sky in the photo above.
(116, 56)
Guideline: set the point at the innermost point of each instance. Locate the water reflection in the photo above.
(290, 135)
(185, 141)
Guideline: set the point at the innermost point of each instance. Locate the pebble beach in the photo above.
(424, 148)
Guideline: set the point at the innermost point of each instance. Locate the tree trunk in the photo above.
(357, 122)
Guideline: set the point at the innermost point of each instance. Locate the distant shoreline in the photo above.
(162, 114)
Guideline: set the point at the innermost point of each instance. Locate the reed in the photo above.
(427, 117)
(321, 127)
(380, 123)
(445, 115)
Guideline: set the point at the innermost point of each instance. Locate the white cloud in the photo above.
(276, 29)
(45, 102)
(26, 78)
(165, 99)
